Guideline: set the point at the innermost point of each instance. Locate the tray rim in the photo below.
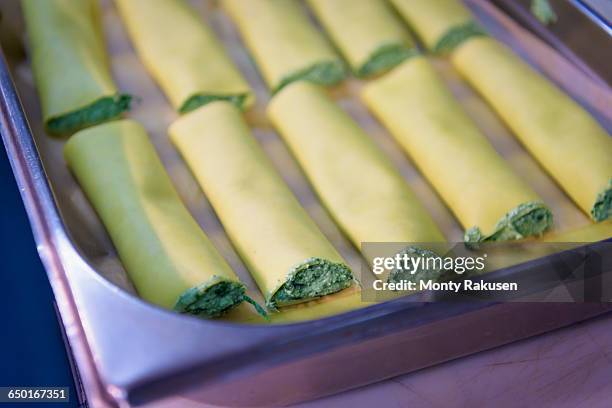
(53, 240)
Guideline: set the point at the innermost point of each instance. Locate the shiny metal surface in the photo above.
(581, 35)
(599, 11)
(130, 353)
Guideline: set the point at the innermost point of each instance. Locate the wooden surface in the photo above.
(567, 368)
(571, 367)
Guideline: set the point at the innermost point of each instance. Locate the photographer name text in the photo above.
(466, 285)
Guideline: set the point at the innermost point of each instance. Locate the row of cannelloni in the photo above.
(169, 258)
(574, 149)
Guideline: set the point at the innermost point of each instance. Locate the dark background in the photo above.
(32, 351)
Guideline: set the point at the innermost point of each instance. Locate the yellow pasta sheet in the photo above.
(183, 54)
(367, 33)
(283, 42)
(70, 65)
(438, 23)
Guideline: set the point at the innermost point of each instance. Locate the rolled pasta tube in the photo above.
(441, 24)
(165, 253)
(183, 55)
(571, 146)
(362, 190)
(489, 200)
(384, 44)
(283, 42)
(70, 65)
(288, 256)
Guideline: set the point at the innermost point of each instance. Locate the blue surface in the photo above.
(32, 351)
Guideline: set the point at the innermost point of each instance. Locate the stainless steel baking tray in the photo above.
(130, 353)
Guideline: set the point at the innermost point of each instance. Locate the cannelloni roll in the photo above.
(183, 54)
(367, 33)
(167, 256)
(70, 65)
(489, 200)
(288, 256)
(362, 190)
(285, 45)
(571, 146)
(441, 24)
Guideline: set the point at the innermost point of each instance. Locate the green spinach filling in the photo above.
(527, 219)
(214, 300)
(457, 36)
(199, 100)
(311, 279)
(602, 209)
(384, 58)
(100, 111)
(323, 73)
(543, 11)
